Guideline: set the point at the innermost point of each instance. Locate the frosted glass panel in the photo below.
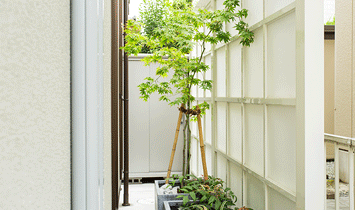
(273, 6)
(235, 59)
(253, 67)
(194, 51)
(235, 131)
(281, 145)
(221, 72)
(278, 201)
(207, 45)
(255, 193)
(209, 160)
(208, 73)
(281, 58)
(208, 128)
(231, 29)
(255, 11)
(254, 146)
(222, 168)
(221, 126)
(236, 182)
(219, 4)
(194, 157)
(200, 90)
(194, 91)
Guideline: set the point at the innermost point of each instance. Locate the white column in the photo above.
(87, 104)
(310, 105)
(78, 104)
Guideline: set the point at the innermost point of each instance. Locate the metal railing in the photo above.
(349, 144)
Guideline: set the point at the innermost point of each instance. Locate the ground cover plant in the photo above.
(170, 39)
(206, 194)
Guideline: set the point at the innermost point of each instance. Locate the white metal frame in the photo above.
(303, 104)
(87, 104)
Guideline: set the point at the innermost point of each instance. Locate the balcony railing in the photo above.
(347, 144)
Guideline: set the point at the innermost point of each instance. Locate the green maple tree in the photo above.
(171, 40)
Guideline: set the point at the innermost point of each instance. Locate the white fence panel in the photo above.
(251, 136)
(254, 137)
(253, 67)
(281, 144)
(152, 127)
(235, 131)
(221, 126)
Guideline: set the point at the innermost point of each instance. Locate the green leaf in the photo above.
(185, 200)
(211, 200)
(181, 179)
(223, 205)
(203, 198)
(217, 204)
(193, 196)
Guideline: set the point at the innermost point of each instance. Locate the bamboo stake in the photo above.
(202, 145)
(174, 145)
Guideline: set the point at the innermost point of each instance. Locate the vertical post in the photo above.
(202, 145)
(336, 161)
(310, 176)
(114, 102)
(174, 145)
(120, 80)
(78, 105)
(126, 123)
(351, 178)
(93, 117)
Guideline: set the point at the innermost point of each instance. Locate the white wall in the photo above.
(344, 115)
(107, 106)
(35, 104)
(252, 138)
(152, 127)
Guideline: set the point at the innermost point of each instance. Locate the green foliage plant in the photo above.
(171, 41)
(330, 22)
(206, 194)
(151, 16)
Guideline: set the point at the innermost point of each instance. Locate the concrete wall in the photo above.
(35, 104)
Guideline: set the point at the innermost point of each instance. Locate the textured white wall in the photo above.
(35, 104)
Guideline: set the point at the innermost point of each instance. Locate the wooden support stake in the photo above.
(202, 145)
(174, 145)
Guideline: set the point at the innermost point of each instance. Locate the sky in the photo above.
(134, 8)
(329, 9)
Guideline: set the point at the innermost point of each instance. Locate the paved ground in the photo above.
(344, 203)
(141, 197)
